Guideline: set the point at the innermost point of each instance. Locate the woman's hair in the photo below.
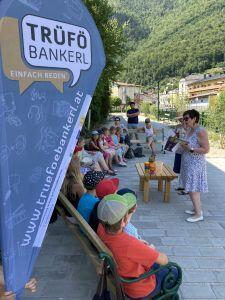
(192, 114)
(112, 128)
(104, 129)
(73, 176)
(80, 139)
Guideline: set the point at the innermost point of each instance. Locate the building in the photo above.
(125, 90)
(148, 97)
(184, 82)
(201, 92)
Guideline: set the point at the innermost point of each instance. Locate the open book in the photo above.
(173, 143)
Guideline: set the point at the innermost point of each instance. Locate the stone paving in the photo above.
(65, 273)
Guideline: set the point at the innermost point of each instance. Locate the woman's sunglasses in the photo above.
(186, 118)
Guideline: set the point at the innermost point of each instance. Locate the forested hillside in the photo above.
(171, 37)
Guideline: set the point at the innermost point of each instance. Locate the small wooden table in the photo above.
(162, 174)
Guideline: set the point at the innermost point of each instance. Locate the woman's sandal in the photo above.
(179, 189)
(183, 193)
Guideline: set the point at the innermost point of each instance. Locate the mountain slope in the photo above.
(171, 37)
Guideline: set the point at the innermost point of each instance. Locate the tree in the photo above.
(112, 37)
(115, 102)
(146, 108)
(180, 103)
(215, 118)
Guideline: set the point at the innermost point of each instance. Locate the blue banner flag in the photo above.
(51, 59)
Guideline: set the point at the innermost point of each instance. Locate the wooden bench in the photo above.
(163, 173)
(97, 251)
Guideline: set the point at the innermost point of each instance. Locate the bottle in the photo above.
(152, 164)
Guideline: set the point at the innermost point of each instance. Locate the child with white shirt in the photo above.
(149, 133)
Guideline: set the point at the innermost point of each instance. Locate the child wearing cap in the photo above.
(89, 199)
(149, 133)
(133, 257)
(110, 186)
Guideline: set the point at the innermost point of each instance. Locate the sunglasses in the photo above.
(186, 118)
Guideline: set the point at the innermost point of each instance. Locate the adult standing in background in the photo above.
(132, 115)
(193, 164)
(180, 132)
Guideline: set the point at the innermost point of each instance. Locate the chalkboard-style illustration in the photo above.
(38, 96)
(20, 144)
(7, 197)
(8, 109)
(35, 4)
(36, 111)
(48, 140)
(36, 175)
(4, 154)
(73, 9)
(35, 114)
(17, 217)
(18, 148)
(8, 256)
(14, 182)
(61, 108)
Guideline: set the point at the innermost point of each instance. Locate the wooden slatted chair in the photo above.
(97, 251)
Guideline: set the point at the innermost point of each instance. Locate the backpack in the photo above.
(130, 153)
(138, 152)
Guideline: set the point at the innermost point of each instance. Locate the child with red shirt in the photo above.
(133, 257)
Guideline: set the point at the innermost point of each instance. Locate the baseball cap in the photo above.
(117, 119)
(127, 199)
(100, 131)
(92, 178)
(106, 187)
(125, 191)
(111, 211)
(94, 132)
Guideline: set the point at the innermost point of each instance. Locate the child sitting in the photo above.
(94, 160)
(89, 199)
(149, 132)
(110, 186)
(108, 141)
(122, 147)
(133, 257)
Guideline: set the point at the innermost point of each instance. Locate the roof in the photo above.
(209, 78)
(127, 84)
(192, 78)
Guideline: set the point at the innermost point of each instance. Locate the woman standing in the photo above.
(193, 165)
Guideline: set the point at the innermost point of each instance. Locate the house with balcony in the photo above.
(201, 92)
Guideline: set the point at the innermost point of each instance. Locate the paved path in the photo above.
(64, 272)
